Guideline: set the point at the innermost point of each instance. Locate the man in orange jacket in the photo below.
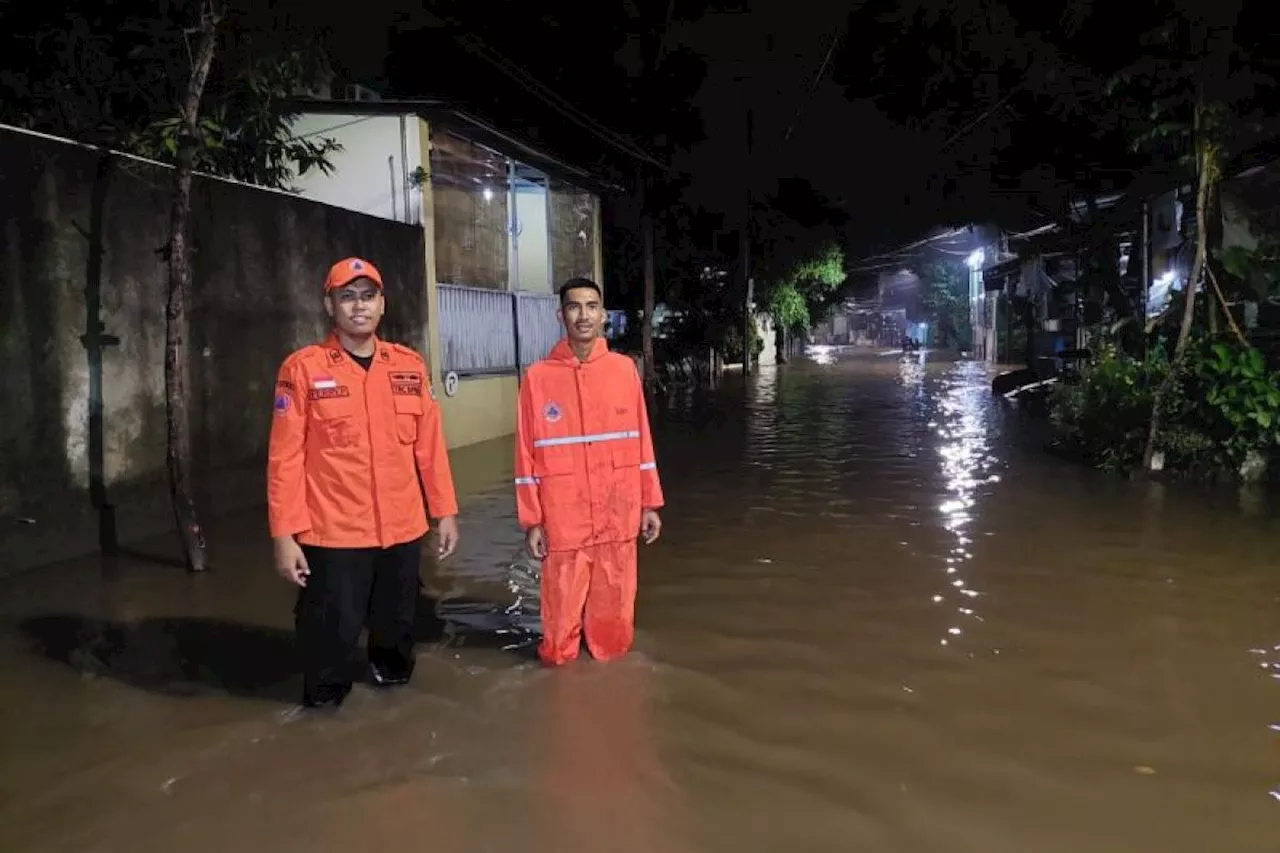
(355, 426)
(586, 483)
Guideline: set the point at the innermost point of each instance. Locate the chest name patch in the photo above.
(328, 392)
(408, 384)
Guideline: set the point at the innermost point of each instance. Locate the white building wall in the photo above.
(370, 173)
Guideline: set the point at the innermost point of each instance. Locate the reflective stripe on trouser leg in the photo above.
(611, 600)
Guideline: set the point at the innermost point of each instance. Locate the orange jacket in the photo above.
(584, 457)
(348, 445)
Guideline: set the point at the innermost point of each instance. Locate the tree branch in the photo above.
(1222, 300)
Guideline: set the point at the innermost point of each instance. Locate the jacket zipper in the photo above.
(373, 468)
(579, 370)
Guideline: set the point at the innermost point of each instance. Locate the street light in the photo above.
(976, 259)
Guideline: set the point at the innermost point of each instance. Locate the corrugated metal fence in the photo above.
(540, 327)
(479, 329)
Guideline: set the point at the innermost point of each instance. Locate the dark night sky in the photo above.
(889, 179)
(768, 56)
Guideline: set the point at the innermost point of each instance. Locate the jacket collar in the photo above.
(338, 357)
(563, 352)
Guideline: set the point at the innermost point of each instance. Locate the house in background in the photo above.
(503, 223)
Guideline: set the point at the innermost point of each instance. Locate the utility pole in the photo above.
(1147, 272)
(748, 288)
(646, 329)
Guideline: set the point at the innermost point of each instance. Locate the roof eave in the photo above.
(476, 129)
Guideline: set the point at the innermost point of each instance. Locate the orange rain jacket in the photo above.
(348, 445)
(584, 456)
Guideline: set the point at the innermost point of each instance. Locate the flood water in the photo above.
(879, 620)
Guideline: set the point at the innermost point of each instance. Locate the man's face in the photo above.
(583, 315)
(357, 308)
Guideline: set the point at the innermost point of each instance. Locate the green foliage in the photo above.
(1257, 269)
(1222, 403)
(1197, 90)
(944, 301)
(821, 272)
(789, 309)
(1106, 412)
(1245, 394)
(114, 74)
(805, 289)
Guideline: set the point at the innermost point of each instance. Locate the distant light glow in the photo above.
(487, 193)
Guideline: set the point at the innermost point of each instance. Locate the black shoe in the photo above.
(387, 676)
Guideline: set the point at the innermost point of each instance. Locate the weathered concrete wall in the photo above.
(575, 238)
(470, 194)
(260, 257)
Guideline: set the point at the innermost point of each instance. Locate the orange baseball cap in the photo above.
(348, 270)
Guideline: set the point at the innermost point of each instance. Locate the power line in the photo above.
(822, 70)
(983, 116)
(531, 84)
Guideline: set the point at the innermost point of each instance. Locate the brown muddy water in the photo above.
(878, 621)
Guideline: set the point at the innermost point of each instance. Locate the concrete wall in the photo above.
(361, 179)
(483, 409)
(470, 199)
(259, 260)
(575, 234)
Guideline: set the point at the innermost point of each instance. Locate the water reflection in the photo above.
(962, 423)
(603, 785)
(1269, 661)
(821, 353)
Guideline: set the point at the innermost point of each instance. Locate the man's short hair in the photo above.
(575, 284)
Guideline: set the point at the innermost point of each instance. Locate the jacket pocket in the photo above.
(337, 421)
(408, 417)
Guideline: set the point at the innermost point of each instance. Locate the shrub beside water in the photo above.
(1221, 413)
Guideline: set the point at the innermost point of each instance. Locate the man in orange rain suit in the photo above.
(355, 426)
(586, 483)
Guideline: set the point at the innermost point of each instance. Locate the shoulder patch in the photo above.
(410, 352)
(304, 354)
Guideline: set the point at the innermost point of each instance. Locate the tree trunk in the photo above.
(1206, 167)
(748, 318)
(646, 328)
(177, 325)
(779, 343)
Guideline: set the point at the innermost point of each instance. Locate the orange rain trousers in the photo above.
(592, 588)
(585, 473)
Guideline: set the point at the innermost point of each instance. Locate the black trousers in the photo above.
(347, 588)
